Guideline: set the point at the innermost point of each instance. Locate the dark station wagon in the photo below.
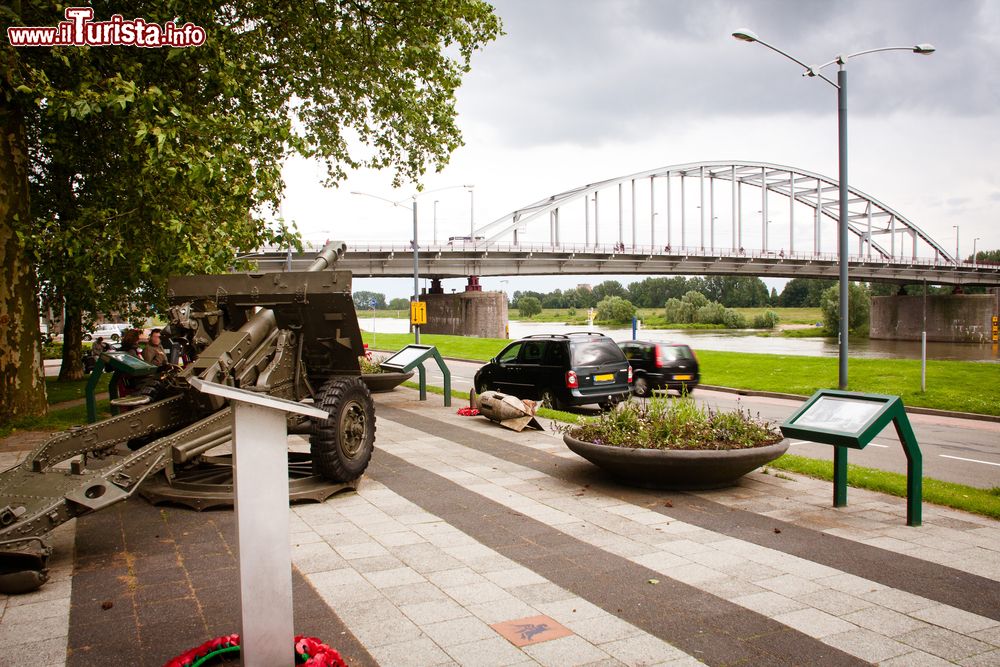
(657, 365)
(560, 370)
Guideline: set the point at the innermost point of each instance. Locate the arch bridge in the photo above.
(701, 218)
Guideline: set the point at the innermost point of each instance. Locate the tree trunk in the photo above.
(72, 359)
(22, 378)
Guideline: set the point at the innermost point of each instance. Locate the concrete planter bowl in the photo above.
(679, 469)
(379, 382)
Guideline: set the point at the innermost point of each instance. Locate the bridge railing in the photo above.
(629, 252)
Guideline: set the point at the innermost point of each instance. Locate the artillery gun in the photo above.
(293, 335)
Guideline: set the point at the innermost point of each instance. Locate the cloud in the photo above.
(588, 72)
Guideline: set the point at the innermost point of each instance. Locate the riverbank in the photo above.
(653, 318)
(961, 386)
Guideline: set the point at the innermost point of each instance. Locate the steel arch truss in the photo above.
(869, 220)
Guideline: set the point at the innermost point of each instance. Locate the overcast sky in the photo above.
(582, 90)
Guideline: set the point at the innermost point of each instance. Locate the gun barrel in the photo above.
(328, 256)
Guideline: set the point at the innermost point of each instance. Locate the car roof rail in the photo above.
(543, 336)
(587, 333)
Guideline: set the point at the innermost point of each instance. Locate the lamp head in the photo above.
(745, 35)
(924, 49)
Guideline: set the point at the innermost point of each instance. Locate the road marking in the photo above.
(959, 458)
(809, 442)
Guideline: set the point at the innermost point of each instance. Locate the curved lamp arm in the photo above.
(749, 36)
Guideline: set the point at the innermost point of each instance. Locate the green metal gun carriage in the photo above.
(293, 335)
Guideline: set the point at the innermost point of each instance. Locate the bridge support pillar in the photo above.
(436, 286)
(473, 285)
(472, 313)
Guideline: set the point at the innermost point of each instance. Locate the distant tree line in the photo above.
(730, 291)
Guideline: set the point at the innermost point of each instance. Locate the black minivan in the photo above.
(657, 365)
(560, 370)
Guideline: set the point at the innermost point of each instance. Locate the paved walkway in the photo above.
(471, 544)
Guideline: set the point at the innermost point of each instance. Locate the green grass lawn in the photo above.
(965, 386)
(56, 420)
(68, 391)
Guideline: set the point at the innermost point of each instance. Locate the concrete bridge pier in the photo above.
(951, 318)
(473, 313)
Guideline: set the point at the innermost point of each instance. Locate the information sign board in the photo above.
(413, 356)
(852, 420)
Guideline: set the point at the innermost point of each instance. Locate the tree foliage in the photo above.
(803, 292)
(615, 309)
(364, 299)
(529, 306)
(858, 308)
(152, 162)
(399, 304)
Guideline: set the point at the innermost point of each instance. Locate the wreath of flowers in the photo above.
(309, 652)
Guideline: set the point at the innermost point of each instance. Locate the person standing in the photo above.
(154, 353)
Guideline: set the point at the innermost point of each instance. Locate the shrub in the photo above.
(711, 313)
(696, 299)
(766, 320)
(679, 312)
(615, 309)
(529, 306)
(665, 423)
(733, 319)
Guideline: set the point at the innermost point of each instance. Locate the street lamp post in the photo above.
(472, 213)
(416, 246)
(416, 259)
(957, 260)
(841, 86)
(975, 263)
(435, 221)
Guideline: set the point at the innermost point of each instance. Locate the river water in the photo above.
(742, 341)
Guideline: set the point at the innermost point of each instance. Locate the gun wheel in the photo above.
(342, 445)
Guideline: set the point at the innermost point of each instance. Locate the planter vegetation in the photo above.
(377, 379)
(676, 444)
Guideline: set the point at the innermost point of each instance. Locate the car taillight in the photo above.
(571, 380)
(630, 374)
(659, 357)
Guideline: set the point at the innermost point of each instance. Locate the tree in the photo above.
(399, 304)
(151, 162)
(803, 292)
(363, 299)
(529, 306)
(987, 256)
(615, 309)
(609, 288)
(736, 291)
(858, 307)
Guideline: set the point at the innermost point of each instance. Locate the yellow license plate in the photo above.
(606, 377)
(682, 377)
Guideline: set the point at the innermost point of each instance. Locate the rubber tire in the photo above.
(640, 387)
(482, 387)
(553, 404)
(344, 397)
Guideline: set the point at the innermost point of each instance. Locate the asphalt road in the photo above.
(955, 450)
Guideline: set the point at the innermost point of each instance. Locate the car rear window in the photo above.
(597, 353)
(675, 352)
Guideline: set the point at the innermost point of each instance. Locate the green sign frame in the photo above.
(414, 356)
(851, 420)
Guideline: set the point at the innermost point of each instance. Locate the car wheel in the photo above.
(482, 386)
(115, 338)
(640, 387)
(549, 400)
(87, 338)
